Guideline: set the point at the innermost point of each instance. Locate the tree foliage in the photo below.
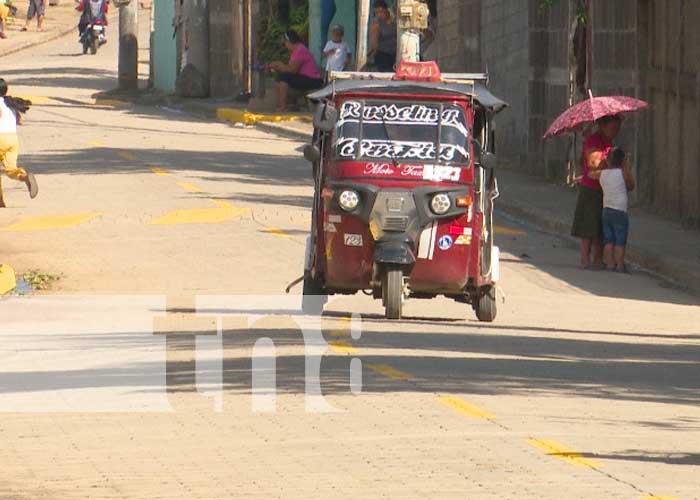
(294, 15)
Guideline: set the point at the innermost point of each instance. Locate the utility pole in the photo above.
(362, 33)
(128, 45)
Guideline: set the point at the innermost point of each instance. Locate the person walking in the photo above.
(4, 14)
(9, 145)
(37, 8)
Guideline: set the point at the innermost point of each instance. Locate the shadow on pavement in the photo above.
(449, 362)
(646, 456)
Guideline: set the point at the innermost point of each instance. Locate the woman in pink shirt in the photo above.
(300, 73)
(588, 225)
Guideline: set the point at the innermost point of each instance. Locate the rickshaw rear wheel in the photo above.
(314, 297)
(393, 293)
(486, 306)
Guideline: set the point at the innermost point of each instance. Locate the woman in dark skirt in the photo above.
(589, 208)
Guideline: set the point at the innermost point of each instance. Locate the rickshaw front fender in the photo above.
(395, 252)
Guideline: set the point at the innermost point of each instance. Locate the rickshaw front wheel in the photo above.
(485, 305)
(393, 293)
(314, 297)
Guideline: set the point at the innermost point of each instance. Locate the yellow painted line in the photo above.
(190, 188)
(342, 347)
(97, 144)
(339, 333)
(276, 232)
(36, 99)
(506, 231)
(465, 408)
(125, 155)
(51, 222)
(389, 372)
(109, 102)
(558, 450)
(8, 279)
(246, 117)
(159, 171)
(223, 213)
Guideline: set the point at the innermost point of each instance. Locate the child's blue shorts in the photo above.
(616, 227)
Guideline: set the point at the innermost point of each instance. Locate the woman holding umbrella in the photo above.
(606, 113)
(588, 226)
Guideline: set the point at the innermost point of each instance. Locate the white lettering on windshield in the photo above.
(391, 114)
(349, 147)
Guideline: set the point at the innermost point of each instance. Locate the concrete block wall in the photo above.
(459, 30)
(505, 52)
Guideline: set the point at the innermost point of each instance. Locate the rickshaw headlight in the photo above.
(441, 204)
(349, 200)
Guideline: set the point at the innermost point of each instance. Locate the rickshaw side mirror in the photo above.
(484, 158)
(312, 153)
(325, 117)
(489, 161)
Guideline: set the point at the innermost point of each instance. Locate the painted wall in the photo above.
(164, 46)
(323, 14)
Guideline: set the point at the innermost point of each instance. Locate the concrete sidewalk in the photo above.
(60, 20)
(658, 245)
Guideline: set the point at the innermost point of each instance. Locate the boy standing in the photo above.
(336, 52)
(9, 146)
(616, 180)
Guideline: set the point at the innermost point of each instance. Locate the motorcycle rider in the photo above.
(94, 12)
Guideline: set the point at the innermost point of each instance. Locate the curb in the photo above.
(245, 117)
(30, 45)
(8, 279)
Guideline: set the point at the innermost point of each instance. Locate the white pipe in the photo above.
(363, 7)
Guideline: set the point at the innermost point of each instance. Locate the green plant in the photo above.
(39, 280)
(272, 30)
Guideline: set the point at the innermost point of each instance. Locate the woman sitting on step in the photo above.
(300, 73)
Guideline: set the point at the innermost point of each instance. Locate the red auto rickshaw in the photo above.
(404, 189)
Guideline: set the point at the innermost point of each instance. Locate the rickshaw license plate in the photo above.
(353, 240)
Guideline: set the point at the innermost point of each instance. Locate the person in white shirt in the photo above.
(336, 51)
(616, 180)
(9, 145)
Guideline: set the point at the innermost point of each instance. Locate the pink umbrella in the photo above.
(590, 110)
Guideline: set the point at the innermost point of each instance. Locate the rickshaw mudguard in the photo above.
(395, 251)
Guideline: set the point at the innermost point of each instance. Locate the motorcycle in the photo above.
(92, 37)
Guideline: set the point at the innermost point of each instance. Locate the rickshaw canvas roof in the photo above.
(476, 90)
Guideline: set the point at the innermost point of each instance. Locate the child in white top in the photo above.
(11, 110)
(616, 180)
(336, 52)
